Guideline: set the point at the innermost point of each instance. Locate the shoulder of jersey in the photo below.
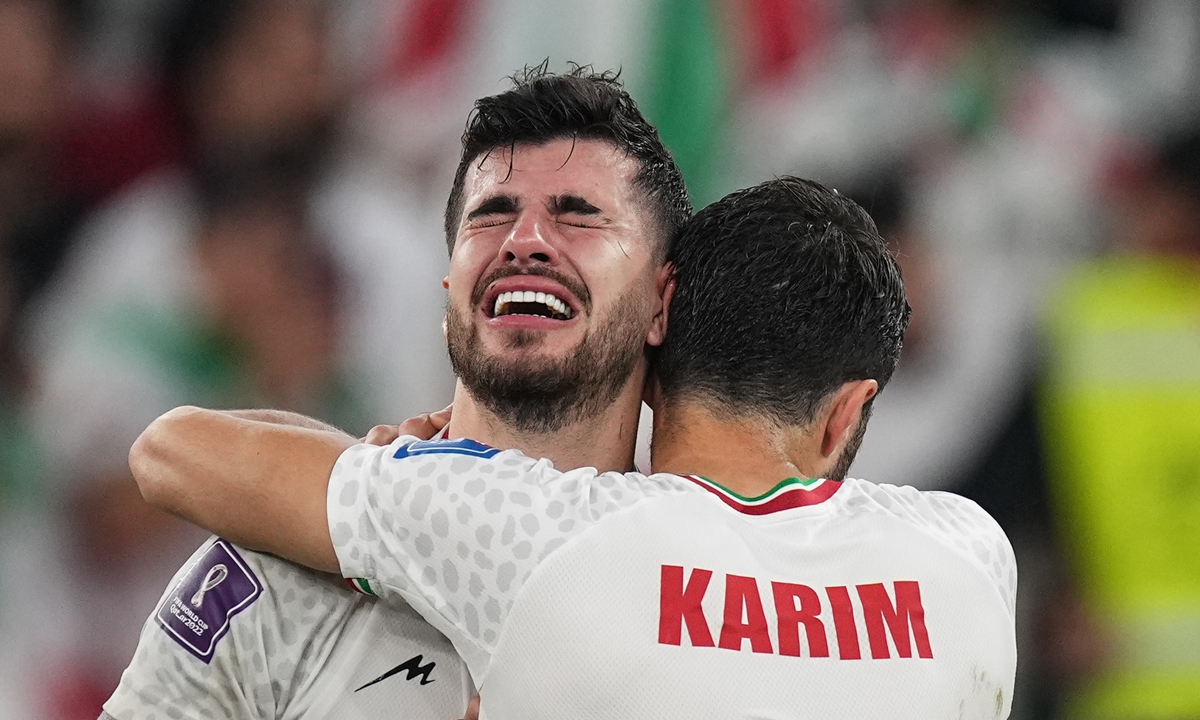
(921, 507)
(606, 492)
(223, 580)
(956, 521)
(216, 585)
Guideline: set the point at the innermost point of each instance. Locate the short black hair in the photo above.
(784, 292)
(543, 106)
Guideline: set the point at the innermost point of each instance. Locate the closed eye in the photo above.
(575, 221)
(495, 210)
(575, 211)
(490, 222)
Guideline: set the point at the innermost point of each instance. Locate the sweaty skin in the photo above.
(567, 210)
(568, 207)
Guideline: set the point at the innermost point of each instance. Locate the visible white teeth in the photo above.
(529, 296)
(555, 304)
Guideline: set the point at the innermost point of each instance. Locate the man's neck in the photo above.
(604, 441)
(745, 455)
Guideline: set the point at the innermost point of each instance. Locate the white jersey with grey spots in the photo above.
(244, 635)
(601, 595)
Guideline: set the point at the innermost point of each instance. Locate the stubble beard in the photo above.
(539, 395)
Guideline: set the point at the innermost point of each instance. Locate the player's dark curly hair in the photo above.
(785, 291)
(582, 104)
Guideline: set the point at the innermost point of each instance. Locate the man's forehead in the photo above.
(585, 168)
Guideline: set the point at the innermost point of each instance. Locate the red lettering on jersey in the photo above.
(878, 610)
(843, 622)
(742, 592)
(790, 617)
(679, 605)
(745, 618)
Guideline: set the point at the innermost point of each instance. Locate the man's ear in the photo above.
(843, 414)
(664, 290)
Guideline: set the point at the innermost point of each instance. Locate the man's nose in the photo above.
(532, 239)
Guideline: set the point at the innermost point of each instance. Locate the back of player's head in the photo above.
(581, 104)
(785, 291)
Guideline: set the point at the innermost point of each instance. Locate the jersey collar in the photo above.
(788, 494)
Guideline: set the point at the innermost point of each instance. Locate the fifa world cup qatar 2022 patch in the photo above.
(197, 611)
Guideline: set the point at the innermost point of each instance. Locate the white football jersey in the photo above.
(241, 634)
(601, 595)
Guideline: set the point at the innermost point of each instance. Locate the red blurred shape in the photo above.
(782, 34)
(76, 692)
(429, 34)
(104, 149)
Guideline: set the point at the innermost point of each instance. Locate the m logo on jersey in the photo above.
(414, 668)
(795, 607)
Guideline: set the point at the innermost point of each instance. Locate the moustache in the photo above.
(575, 287)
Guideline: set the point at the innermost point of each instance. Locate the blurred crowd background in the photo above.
(236, 203)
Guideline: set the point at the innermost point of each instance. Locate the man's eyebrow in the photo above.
(562, 204)
(494, 205)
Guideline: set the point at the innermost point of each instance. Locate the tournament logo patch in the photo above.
(197, 611)
(461, 446)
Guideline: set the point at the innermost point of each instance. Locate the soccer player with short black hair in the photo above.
(560, 158)
(746, 578)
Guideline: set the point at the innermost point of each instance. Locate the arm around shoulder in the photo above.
(261, 484)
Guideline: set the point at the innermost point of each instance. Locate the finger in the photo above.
(440, 419)
(382, 435)
(420, 426)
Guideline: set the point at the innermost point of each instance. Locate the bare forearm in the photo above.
(283, 417)
(258, 483)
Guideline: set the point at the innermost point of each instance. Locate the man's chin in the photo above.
(503, 343)
(526, 359)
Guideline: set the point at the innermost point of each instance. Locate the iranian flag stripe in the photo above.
(360, 585)
(785, 497)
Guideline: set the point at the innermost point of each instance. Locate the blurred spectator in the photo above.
(888, 199)
(242, 312)
(249, 78)
(37, 213)
(1121, 407)
(37, 210)
(222, 281)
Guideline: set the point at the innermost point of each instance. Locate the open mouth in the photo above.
(529, 302)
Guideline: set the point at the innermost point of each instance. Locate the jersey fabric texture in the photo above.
(602, 595)
(246, 635)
